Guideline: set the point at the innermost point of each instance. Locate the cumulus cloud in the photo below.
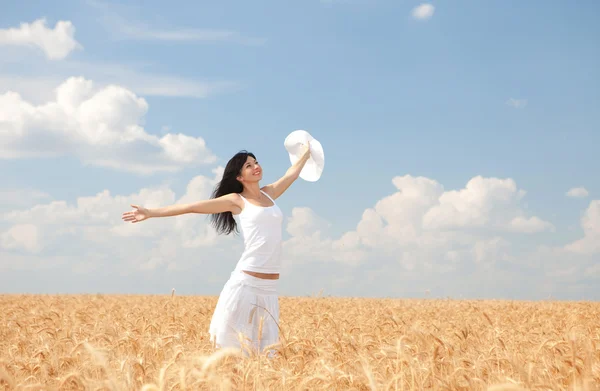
(37, 89)
(578, 192)
(21, 236)
(590, 222)
(487, 252)
(308, 241)
(593, 271)
(423, 12)
(92, 225)
(421, 236)
(424, 236)
(483, 203)
(13, 198)
(424, 227)
(305, 222)
(56, 43)
(530, 225)
(101, 127)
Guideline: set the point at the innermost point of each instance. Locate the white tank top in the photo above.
(261, 228)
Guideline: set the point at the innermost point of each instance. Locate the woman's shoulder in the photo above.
(237, 199)
(267, 191)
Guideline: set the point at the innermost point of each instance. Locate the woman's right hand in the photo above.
(136, 215)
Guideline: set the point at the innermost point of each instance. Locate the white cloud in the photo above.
(56, 43)
(578, 192)
(24, 236)
(38, 89)
(93, 225)
(530, 225)
(306, 249)
(423, 227)
(488, 251)
(423, 11)
(390, 251)
(305, 222)
(37, 82)
(347, 249)
(423, 234)
(144, 32)
(101, 127)
(517, 103)
(593, 271)
(590, 222)
(484, 202)
(307, 241)
(101, 208)
(12, 198)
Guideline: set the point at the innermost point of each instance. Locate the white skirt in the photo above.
(243, 302)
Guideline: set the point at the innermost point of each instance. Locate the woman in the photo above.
(247, 312)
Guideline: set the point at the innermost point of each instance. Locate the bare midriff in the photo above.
(266, 276)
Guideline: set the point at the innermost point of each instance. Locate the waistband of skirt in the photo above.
(247, 279)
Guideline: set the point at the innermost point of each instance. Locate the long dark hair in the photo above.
(224, 222)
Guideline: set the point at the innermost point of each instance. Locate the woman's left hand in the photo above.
(307, 151)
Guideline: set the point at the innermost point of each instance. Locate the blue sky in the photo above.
(498, 90)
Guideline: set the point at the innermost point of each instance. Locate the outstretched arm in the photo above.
(277, 188)
(226, 203)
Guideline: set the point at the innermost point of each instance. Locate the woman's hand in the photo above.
(307, 150)
(136, 215)
(277, 188)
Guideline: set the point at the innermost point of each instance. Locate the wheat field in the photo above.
(111, 342)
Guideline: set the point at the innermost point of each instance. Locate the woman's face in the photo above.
(251, 171)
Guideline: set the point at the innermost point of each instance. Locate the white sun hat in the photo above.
(295, 145)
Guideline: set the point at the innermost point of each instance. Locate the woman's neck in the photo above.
(253, 190)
